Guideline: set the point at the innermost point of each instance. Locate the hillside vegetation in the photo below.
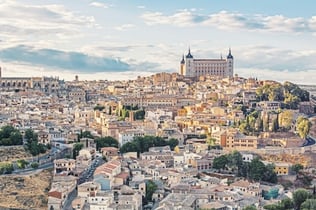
(28, 191)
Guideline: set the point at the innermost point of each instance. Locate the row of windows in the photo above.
(210, 64)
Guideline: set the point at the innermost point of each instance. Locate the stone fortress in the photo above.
(196, 67)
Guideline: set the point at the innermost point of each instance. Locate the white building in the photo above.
(128, 135)
(191, 67)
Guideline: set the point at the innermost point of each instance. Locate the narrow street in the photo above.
(71, 197)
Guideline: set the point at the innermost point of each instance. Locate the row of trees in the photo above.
(282, 121)
(10, 136)
(107, 141)
(138, 114)
(142, 144)
(255, 170)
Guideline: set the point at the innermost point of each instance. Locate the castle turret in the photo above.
(230, 64)
(189, 54)
(189, 65)
(182, 66)
(229, 56)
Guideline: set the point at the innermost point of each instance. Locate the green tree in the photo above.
(269, 174)
(151, 187)
(273, 207)
(30, 136)
(299, 197)
(99, 107)
(287, 203)
(220, 162)
(286, 119)
(6, 131)
(22, 163)
(294, 89)
(16, 138)
(308, 204)
(275, 125)
(235, 161)
(10, 136)
(34, 165)
(297, 167)
(173, 143)
(303, 126)
(129, 147)
(256, 169)
(110, 110)
(86, 134)
(142, 144)
(33, 148)
(291, 101)
(211, 141)
(107, 141)
(6, 168)
(76, 148)
(139, 115)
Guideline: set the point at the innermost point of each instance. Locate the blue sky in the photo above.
(121, 39)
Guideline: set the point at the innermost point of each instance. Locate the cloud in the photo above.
(299, 77)
(124, 27)
(141, 7)
(73, 61)
(232, 20)
(99, 4)
(45, 22)
(267, 57)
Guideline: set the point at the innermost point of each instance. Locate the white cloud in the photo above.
(99, 4)
(34, 23)
(124, 27)
(301, 77)
(141, 7)
(233, 20)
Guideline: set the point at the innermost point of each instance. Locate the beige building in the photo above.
(64, 165)
(240, 142)
(191, 67)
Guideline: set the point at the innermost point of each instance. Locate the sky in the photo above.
(123, 39)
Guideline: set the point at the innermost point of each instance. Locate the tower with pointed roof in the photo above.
(193, 68)
(230, 64)
(182, 65)
(189, 64)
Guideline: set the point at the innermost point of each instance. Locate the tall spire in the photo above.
(230, 56)
(189, 54)
(182, 61)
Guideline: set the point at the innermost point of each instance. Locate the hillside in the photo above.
(13, 153)
(25, 191)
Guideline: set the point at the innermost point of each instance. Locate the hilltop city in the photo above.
(202, 138)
